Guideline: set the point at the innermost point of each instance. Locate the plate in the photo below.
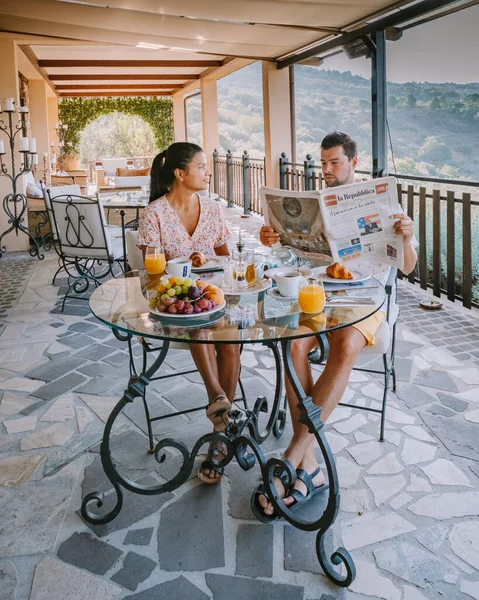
(170, 317)
(213, 264)
(305, 271)
(259, 286)
(359, 274)
(274, 292)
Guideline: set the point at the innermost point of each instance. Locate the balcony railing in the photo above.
(445, 213)
(238, 180)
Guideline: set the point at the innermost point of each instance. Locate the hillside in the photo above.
(434, 127)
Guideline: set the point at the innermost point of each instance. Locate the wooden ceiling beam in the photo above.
(51, 63)
(110, 94)
(123, 76)
(32, 57)
(119, 86)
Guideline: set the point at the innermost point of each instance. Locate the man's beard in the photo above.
(336, 182)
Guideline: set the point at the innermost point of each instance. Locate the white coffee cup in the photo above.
(288, 282)
(179, 267)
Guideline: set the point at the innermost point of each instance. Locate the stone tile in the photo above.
(440, 357)
(139, 537)
(418, 485)
(59, 387)
(460, 438)
(86, 552)
(61, 410)
(82, 327)
(55, 369)
(12, 404)
(441, 380)
(463, 539)
(120, 360)
(452, 402)
(415, 452)
(366, 452)
(95, 352)
(254, 551)
(471, 588)
(189, 524)
(433, 537)
(414, 396)
(472, 416)
(242, 485)
(8, 579)
(355, 422)
(446, 506)
(438, 409)
(469, 376)
(57, 348)
(175, 589)
(53, 577)
(371, 583)
(14, 470)
(339, 413)
(356, 501)
(400, 500)
(135, 508)
(21, 384)
(136, 569)
(97, 385)
(413, 564)
(385, 487)
(386, 466)
(445, 472)
(348, 472)
(373, 527)
(55, 435)
(418, 432)
(470, 395)
(222, 585)
(84, 417)
(100, 369)
(19, 425)
(100, 405)
(23, 529)
(77, 340)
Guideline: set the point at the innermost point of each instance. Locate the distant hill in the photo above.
(434, 127)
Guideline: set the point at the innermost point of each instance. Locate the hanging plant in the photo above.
(77, 113)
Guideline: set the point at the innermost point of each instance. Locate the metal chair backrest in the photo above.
(52, 192)
(81, 227)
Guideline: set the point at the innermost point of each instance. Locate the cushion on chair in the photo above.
(132, 172)
(110, 165)
(383, 334)
(135, 257)
(116, 248)
(114, 231)
(137, 181)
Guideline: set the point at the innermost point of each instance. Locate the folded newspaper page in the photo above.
(348, 223)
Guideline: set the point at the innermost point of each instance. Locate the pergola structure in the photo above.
(91, 48)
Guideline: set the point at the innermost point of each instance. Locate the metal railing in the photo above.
(238, 180)
(446, 217)
(135, 162)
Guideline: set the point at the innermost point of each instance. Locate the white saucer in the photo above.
(258, 286)
(274, 292)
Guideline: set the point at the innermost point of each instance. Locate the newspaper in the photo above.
(345, 223)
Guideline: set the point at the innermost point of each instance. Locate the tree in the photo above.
(433, 150)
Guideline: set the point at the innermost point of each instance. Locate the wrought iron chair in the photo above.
(385, 347)
(87, 251)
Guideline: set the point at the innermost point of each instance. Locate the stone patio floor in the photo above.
(409, 506)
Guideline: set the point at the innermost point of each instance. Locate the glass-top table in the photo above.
(258, 317)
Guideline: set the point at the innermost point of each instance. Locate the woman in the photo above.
(185, 222)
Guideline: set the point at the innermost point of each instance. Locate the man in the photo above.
(338, 161)
(370, 226)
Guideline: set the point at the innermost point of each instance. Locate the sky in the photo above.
(444, 50)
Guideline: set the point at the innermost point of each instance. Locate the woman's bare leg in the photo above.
(228, 361)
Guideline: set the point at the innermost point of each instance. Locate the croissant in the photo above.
(338, 271)
(198, 259)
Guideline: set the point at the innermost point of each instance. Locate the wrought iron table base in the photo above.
(242, 439)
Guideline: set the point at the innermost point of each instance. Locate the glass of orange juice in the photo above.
(311, 297)
(155, 261)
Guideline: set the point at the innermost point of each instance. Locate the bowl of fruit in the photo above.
(182, 297)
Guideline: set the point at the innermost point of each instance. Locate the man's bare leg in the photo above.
(344, 348)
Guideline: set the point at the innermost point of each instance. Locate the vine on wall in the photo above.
(77, 113)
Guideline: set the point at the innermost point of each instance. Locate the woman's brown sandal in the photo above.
(217, 411)
(216, 449)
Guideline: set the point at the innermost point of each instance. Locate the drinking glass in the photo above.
(311, 297)
(155, 261)
(242, 260)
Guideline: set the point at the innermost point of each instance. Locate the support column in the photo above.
(209, 118)
(52, 108)
(277, 119)
(39, 119)
(9, 79)
(379, 106)
(179, 118)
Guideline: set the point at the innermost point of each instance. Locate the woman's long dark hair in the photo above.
(177, 156)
